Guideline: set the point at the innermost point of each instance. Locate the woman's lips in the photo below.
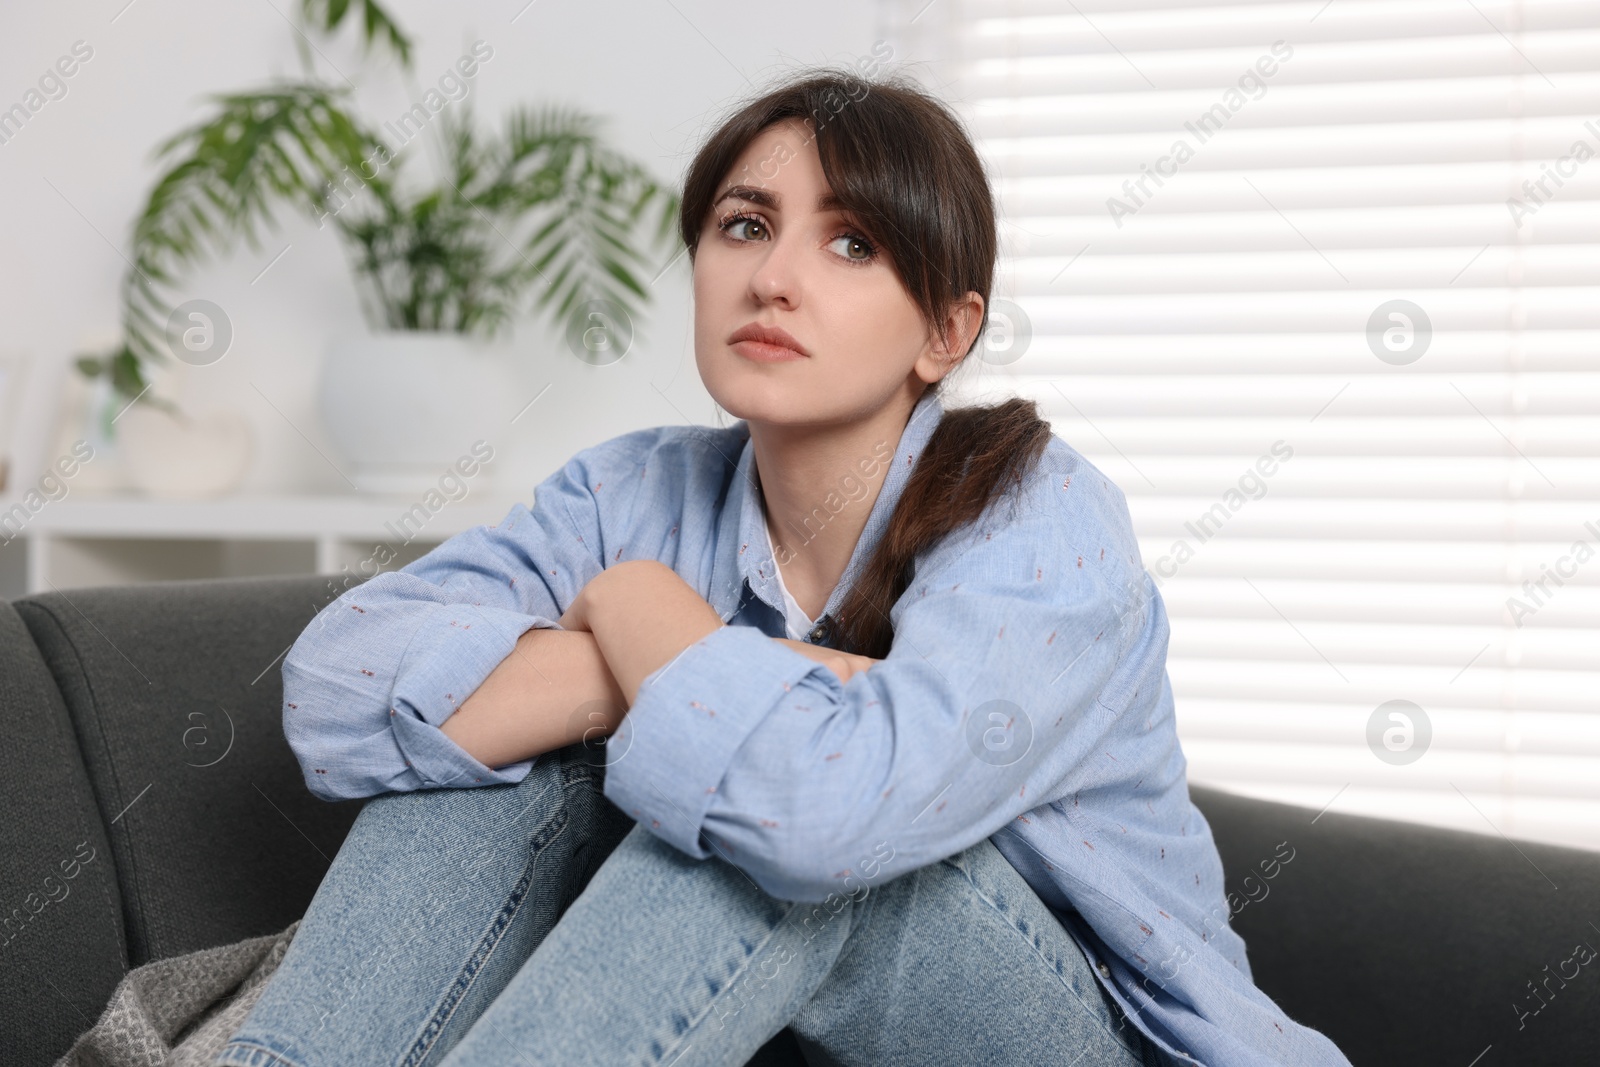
(762, 352)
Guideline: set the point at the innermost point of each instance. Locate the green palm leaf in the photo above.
(256, 152)
(376, 24)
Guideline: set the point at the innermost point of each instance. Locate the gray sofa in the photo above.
(149, 807)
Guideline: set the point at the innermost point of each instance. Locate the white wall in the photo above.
(75, 177)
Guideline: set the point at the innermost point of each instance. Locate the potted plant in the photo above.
(440, 269)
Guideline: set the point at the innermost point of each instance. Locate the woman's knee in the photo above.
(556, 793)
(696, 938)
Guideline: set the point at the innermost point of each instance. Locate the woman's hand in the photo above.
(643, 615)
(844, 664)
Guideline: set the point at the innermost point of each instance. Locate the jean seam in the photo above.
(254, 1051)
(542, 839)
(572, 772)
(1136, 1052)
(730, 985)
(575, 765)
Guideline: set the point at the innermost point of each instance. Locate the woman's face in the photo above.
(769, 255)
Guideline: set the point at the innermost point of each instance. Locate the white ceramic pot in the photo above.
(205, 454)
(402, 406)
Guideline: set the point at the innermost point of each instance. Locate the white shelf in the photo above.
(131, 515)
(110, 539)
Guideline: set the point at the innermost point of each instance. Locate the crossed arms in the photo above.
(559, 686)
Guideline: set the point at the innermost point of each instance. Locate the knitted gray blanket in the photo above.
(181, 1011)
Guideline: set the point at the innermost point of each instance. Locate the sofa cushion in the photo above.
(175, 692)
(61, 938)
(1412, 944)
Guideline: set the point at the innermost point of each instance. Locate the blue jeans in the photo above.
(537, 924)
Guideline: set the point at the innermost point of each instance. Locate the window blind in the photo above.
(1318, 286)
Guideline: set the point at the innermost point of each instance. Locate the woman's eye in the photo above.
(851, 244)
(743, 220)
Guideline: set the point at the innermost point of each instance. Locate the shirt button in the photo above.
(816, 633)
(1105, 972)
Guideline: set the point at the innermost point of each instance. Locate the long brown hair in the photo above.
(905, 170)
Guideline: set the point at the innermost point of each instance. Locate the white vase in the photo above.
(402, 406)
(204, 454)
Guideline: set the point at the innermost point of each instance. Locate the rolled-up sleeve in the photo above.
(990, 699)
(377, 671)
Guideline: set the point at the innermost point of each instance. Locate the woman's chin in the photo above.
(768, 411)
(749, 394)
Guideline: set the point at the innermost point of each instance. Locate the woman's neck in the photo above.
(818, 485)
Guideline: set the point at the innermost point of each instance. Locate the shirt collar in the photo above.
(744, 566)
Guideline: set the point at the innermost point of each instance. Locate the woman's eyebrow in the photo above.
(771, 200)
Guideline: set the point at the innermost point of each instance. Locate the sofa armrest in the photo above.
(175, 693)
(62, 947)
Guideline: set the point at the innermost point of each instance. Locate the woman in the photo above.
(891, 757)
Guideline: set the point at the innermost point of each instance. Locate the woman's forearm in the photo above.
(553, 690)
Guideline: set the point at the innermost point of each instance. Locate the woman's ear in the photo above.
(962, 322)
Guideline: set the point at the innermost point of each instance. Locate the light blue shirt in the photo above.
(1025, 699)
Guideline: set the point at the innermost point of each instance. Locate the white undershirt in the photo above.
(796, 619)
